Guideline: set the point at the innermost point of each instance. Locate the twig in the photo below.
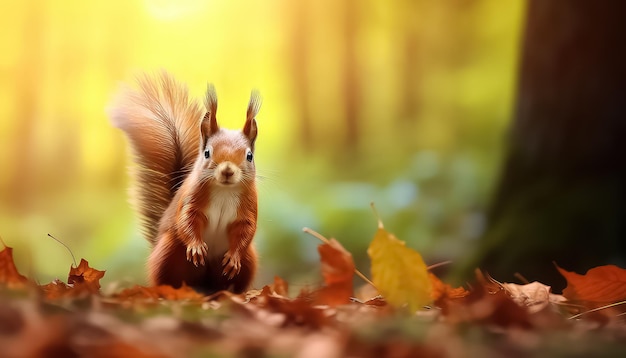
(326, 241)
(68, 249)
(521, 278)
(439, 264)
(598, 309)
(380, 222)
(316, 234)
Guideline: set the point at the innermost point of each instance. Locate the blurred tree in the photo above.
(299, 61)
(412, 66)
(561, 196)
(351, 79)
(21, 179)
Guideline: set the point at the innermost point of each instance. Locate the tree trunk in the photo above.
(561, 197)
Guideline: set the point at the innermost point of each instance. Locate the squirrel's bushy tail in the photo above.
(163, 127)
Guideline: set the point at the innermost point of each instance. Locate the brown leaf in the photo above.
(280, 287)
(337, 263)
(82, 281)
(601, 285)
(487, 303)
(298, 312)
(442, 291)
(483, 306)
(85, 278)
(338, 271)
(159, 292)
(9, 276)
(56, 289)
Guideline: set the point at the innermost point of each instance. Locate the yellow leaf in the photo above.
(399, 272)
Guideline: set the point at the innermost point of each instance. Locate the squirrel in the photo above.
(195, 190)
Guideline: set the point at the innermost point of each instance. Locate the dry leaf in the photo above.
(9, 276)
(483, 305)
(159, 292)
(338, 271)
(84, 277)
(536, 296)
(297, 312)
(442, 291)
(280, 286)
(267, 323)
(82, 281)
(56, 289)
(601, 285)
(398, 272)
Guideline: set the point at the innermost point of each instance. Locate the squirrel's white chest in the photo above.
(221, 212)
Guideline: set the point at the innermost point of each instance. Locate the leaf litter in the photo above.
(404, 311)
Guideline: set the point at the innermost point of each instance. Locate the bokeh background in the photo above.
(403, 103)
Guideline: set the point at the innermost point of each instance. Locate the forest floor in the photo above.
(410, 313)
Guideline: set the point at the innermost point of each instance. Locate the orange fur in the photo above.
(179, 191)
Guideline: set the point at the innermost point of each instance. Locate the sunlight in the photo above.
(169, 10)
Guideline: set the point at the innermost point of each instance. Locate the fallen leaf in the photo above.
(9, 276)
(398, 272)
(56, 289)
(297, 312)
(442, 291)
(82, 281)
(485, 306)
(378, 301)
(337, 263)
(338, 271)
(536, 296)
(280, 287)
(602, 284)
(84, 277)
(159, 292)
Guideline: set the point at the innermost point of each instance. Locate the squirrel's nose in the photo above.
(227, 172)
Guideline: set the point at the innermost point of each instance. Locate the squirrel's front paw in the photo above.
(232, 264)
(196, 253)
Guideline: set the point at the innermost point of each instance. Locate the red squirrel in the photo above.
(195, 188)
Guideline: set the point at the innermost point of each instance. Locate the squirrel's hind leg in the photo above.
(168, 265)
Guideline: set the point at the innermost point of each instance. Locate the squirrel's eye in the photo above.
(249, 156)
(207, 153)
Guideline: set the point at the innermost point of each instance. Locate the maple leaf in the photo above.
(602, 284)
(82, 281)
(9, 276)
(398, 272)
(84, 277)
(338, 271)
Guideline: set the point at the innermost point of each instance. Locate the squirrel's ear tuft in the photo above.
(209, 122)
(250, 128)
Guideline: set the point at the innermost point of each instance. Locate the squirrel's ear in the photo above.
(209, 122)
(250, 128)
